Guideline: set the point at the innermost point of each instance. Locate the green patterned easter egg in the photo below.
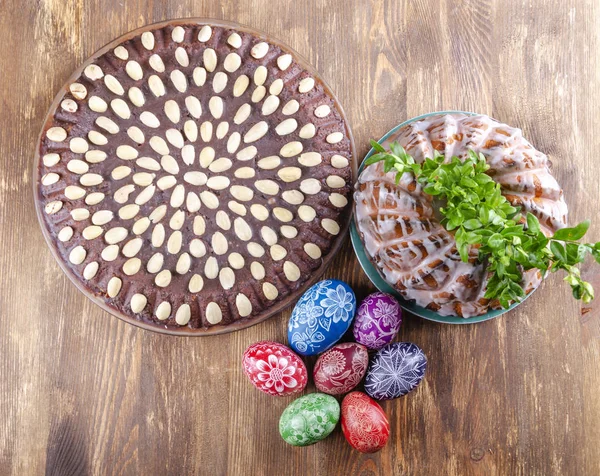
(309, 419)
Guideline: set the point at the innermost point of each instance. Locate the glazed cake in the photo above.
(194, 177)
(400, 229)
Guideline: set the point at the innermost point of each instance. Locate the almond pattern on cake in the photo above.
(194, 175)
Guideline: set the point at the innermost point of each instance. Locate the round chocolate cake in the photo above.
(194, 177)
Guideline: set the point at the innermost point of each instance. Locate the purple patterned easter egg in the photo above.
(395, 370)
(377, 320)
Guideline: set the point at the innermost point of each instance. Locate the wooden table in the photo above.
(83, 393)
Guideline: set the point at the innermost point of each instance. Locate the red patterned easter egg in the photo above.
(341, 368)
(364, 423)
(274, 368)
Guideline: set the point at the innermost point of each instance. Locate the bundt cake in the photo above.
(401, 230)
(194, 177)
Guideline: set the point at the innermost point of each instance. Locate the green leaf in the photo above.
(484, 232)
(588, 292)
(537, 261)
(504, 299)
(572, 280)
(472, 224)
(463, 250)
(596, 255)
(468, 182)
(472, 155)
(494, 286)
(572, 234)
(518, 291)
(472, 238)
(401, 167)
(389, 163)
(453, 223)
(377, 146)
(520, 256)
(497, 219)
(375, 158)
(533, 224)
(459, 236)
(559, 251)
(431, 189)
(508, 209)
(495, 241)
(576, 252)
(484, 215)
(482, 179)
(515, 230)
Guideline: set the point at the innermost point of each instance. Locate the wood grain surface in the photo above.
(84, 393)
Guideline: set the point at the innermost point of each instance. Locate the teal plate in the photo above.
(385, 287)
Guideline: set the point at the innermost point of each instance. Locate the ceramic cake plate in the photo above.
(378, 280)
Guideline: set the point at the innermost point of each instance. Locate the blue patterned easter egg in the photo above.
(321, 317)
(395, 370)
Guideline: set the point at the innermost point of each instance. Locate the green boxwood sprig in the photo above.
(481, 219)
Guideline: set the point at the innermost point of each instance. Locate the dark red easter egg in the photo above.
(364, 423)
(341, 368)
(274, 368)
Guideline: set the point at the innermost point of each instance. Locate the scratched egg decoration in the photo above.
(309, 419)
(341, 368)
(364, 423)
(378, 320)
(321, 317)
(274, 369)
(395, 370)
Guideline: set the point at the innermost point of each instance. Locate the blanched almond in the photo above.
(291, 149)
(270, 291)
(163, 311)
(268, 187)
(330, 226)
(243, 304)
(291, 271)
(289, 174)
(183, 314)
(310, 159)
(214, 315)
(138, 303)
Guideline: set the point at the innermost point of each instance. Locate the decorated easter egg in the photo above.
(274, 368)
(309, 419)
(341, 368)
(364, 423)
(377, 321)
(321, 317)
(395, 370)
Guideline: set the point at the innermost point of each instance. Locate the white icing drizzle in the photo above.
(401, 232)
